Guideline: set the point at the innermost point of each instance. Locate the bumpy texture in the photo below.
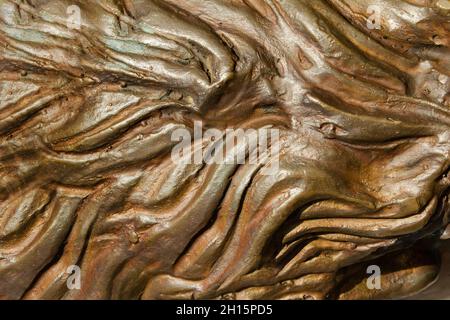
(86, 176)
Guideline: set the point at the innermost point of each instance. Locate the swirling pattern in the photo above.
(86, 117)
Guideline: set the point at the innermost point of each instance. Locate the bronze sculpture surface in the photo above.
(93, 92)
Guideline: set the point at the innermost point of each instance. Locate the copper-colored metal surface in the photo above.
(91, 93)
